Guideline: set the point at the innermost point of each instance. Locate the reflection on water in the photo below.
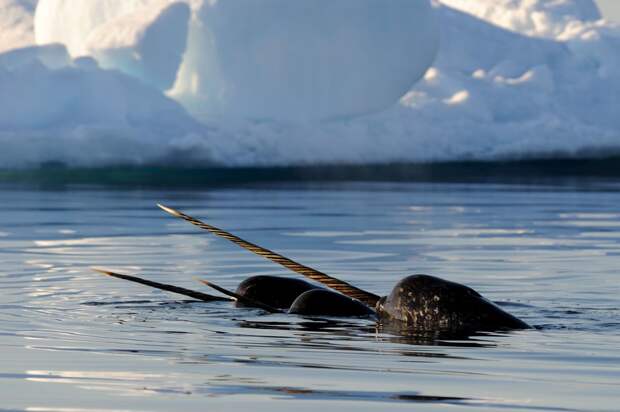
(73, 340)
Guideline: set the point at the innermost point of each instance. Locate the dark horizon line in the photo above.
(463, 171)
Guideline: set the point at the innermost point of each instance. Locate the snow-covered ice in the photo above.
(146, 39)
(275, 59)
(316, 81)
(55, 109)
(16, 24)
(544, 18)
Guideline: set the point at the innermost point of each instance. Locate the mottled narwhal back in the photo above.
(428, 303)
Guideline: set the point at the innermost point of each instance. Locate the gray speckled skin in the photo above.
(277, 292)
(428, 303)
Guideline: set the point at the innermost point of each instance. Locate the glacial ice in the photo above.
(512, 78)
(272, 59)
(146, 45)
(52, 56)
(309, 60)
(145, 39)
(16, 24)
(543, 18)
(70, 22)
(55, 109)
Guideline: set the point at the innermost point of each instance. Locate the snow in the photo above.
(71, 21)
(544, 18)
(146, 39)
(281, 82)
(146, 44)
(256, 59)
(53, 56)
(54, 109)
(16, 24)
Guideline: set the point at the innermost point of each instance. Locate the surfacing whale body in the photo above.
(418, 302)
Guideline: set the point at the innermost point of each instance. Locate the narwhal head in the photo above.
(425, 302)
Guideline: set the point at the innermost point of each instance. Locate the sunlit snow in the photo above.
(244, 82)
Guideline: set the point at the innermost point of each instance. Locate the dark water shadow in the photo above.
(373, 330)
(303, 394)
(313, 330)
(284, 392)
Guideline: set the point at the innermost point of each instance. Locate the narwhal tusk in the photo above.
(331, 282)
(170, 288)
(240, 298)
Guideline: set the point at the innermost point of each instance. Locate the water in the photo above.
(73, 340)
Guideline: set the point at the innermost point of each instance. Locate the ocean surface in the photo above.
(73, 340)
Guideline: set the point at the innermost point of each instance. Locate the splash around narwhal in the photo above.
(417, 303)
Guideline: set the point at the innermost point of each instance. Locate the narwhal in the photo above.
(417, 302)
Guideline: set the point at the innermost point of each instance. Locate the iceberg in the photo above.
(147, 44)
(53, 56)
(16, 24)
(70, 22)
(542, 18)
(145, 39)
(273, 59)
(304, 61)
(281, 82)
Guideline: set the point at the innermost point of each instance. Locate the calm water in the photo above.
(72, 340)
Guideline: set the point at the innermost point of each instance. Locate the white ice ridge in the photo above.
(512, 78)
